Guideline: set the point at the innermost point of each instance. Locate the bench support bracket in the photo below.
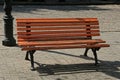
(94, 50)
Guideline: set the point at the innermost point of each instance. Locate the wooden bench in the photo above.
(58, 33)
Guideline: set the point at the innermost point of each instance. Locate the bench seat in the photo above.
(64, 44)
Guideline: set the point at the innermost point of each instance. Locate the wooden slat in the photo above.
(56, 35)
(56, 19)
(57, 28)
(58, 32)
(57, 24)
(65, 47)
(52, 39)
(62, 42)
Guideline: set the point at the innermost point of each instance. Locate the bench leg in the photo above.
(95, 55)
(31, 58)
(86, 51)
(27, 54)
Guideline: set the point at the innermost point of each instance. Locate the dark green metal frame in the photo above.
(31, 53)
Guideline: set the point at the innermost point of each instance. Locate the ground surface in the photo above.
(66, 64)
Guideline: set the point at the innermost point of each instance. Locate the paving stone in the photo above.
(66, 64)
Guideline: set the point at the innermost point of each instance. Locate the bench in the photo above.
(58, 33)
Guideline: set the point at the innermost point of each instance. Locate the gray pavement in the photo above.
(66, 64)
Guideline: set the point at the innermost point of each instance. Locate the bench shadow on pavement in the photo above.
(31, 9)
(111, 68)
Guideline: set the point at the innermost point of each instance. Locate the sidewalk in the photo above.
(66, 64)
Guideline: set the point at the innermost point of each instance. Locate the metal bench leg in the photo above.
(27, 54)
(32, 61)
(95, 55)
(31, 58)
(86, 51)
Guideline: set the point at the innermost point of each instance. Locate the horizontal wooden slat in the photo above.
(62, 42)
(65, 47)
(57, 28)
(58, 32)
(57, 35)
(56, 19)
(56, 24)
(53, 39)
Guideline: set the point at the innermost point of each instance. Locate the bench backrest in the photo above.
(57, 29)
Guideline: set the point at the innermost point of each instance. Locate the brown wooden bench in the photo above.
(58, 33)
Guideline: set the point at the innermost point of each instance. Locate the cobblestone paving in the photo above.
(65, 64)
